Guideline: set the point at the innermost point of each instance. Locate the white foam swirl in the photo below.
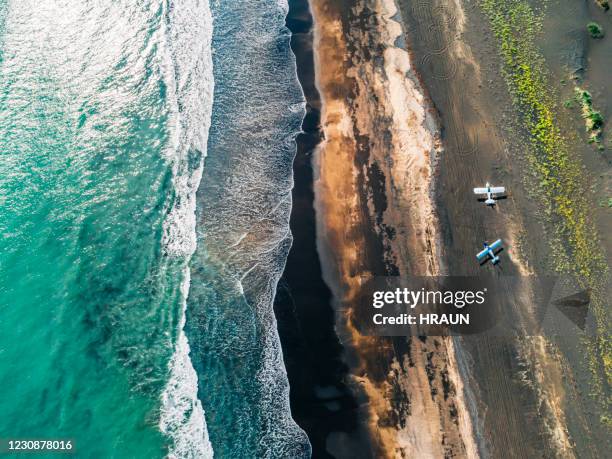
(182, 413)
(187, 66)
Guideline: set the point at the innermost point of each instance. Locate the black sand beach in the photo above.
(461, 72)
(321, 402)
(519, 400)
(402, 378)
(473, 155)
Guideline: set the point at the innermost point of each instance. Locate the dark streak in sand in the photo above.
(321, 402)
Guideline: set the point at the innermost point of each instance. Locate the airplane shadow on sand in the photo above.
(488, 260)
(499, 198)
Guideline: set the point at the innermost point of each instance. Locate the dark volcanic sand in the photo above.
(321, 403)
(506, 411)
(509, 418)
(371, 360)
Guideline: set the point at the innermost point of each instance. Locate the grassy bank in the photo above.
(559, 175)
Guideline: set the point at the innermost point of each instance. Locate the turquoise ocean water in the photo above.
(105, 113)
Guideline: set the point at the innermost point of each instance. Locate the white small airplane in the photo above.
(490, 192)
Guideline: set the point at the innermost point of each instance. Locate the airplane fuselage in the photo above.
(494, 258)
(490, 201)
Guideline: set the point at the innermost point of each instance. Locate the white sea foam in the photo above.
(247, 216)
(187, 68)
(182, 413)
(245, 232)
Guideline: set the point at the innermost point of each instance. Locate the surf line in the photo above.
(182, 416)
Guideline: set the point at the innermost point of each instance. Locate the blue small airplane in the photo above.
(489, 252)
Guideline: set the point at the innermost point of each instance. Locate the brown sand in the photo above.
(380, 139)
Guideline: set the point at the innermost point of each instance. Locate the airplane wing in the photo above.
(496, 245)
(480, 191)
(482, 255)
(498, 189)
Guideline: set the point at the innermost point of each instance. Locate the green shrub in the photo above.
(594, 121)
(585, 97)
(595, 30)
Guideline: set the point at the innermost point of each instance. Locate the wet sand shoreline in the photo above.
(321, 401)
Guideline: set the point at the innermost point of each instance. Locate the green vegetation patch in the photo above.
(595, 30)
(594, 120)
(575, 249)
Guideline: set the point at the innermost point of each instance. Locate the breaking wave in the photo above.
(243, 208)
(189, 81)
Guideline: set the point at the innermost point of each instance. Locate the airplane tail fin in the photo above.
(490, 202)
(495, 260)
